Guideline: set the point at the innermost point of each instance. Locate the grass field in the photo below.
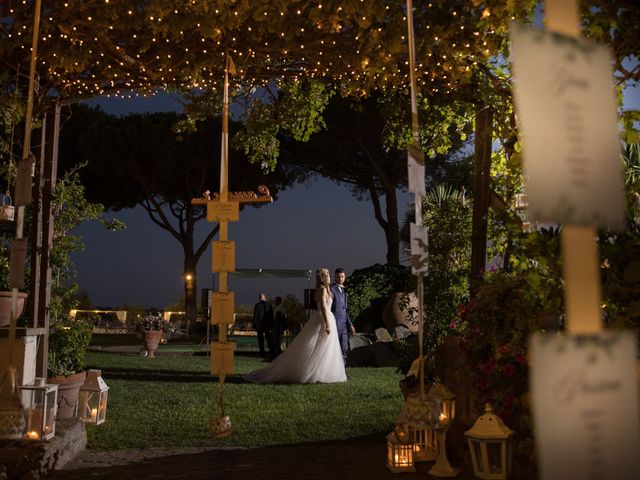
(168, 402)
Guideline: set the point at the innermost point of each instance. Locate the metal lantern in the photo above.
(421, 416)
(12, 418)
(490, 444)
(40, 403)
(425, 443)
(399, 455)
(447, 400)
(92, 400)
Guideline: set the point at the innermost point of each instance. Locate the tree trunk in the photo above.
(392, 228)
(481, 174)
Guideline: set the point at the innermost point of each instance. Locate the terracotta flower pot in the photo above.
(151, 341)
(68, 390)
(5, 307)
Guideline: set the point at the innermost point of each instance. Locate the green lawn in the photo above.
(168, 402)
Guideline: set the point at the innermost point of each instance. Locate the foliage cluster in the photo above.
(151, 322)
(369, 289)
(68, 342)
(447, 215)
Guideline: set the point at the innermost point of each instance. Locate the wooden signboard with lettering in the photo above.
(222, 358)
(224, 256)
(222, 308)
(223, 211)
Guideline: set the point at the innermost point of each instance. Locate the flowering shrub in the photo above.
(506, 309)
(154, 322)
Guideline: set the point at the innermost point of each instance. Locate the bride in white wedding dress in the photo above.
(314, 356)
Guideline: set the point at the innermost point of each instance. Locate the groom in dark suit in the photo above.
(339, 309)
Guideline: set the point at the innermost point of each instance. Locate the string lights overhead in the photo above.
(124, 48)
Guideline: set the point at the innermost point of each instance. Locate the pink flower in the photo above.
(488, 367)
(508, 370)
(520, 358)
(503, 349)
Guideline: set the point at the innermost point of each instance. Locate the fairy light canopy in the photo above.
(101, 47)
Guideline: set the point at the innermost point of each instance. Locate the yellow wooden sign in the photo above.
(223, 211)
(224, 256)
(222, 307)
(222, 358)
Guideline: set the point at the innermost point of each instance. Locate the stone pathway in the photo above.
(363, 457)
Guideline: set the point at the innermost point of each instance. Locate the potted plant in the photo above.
(5, 291)
(68, 342)
(151, 327)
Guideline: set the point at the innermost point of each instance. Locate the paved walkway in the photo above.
(363, 457)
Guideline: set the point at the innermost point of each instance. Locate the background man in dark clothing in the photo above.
(263, 321)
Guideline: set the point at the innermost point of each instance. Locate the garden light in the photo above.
(399, 455)
(40, 402)
(490, 444)
(92, 400)
(446, 400)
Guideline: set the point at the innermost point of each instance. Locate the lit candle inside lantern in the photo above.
(94, 414)
(33, 435)
(443, 417)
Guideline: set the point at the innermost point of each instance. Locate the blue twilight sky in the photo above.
(309, 226)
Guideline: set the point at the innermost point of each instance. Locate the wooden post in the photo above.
(36, 230)
(50, 176)
(581, 263)
(23, 182)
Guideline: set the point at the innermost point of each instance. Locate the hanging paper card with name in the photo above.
(222, 358)
(585, 405)
(224, 256)
(419, 249)
(564, 95)
(222, 308)
(223, 211)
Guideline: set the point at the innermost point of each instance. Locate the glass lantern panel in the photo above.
(494, 455)
(89, 402)
(102, 408)
(476, 456)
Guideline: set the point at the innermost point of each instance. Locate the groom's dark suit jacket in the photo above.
(263, 315)
(339, 307)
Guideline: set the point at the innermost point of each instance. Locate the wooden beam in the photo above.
(50, 175)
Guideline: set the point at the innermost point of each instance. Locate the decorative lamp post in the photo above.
(399, 455)
(92, 399)
(446, 401)
(40, 402)
(12, 418)
(490, 444)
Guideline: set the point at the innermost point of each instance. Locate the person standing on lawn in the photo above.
(339, 310)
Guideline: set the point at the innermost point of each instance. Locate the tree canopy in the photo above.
(95, 47)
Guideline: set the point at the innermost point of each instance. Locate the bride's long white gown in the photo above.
(312, 357)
